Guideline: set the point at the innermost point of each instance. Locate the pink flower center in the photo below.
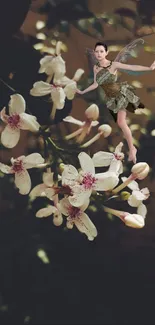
(56, 86)
(118, 157)
(88, 181)
(18, 166)
(73, 212)
(14, 120)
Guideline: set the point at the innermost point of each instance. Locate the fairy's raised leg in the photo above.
(121, 121)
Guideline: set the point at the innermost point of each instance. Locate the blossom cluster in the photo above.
(69, 193)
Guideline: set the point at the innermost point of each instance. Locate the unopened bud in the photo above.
(125, 195)
(61, 167)
(134, 221)
(140, 170)
(105, 129)
(92, 112)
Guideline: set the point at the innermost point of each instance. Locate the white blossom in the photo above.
(82, 184)
(113, 160)
(76, 216)
(16, 120)
(53, 65)
(45, 189)
(51, 210)
(19, 168)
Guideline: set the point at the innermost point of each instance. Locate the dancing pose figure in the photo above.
(119, 96)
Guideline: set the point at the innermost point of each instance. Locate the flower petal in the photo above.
(46, 212)
(17, 104)
(85, 225)
(138, 195)
(69, 175)
(41, 88)
(142, 210)
(4, 117)
(102, 158)
(38, 190)
(94, 123)
(29, 122)
(85, 205)
(64, 206)
(50, 192)
(33, 160)
(118, 149)
(63, 81)
(106, 181)
(23, 182)
(133, 202)
(146, 192)
(58, 97)
(45, 65)
(48, 179)
(80, 195)
(133, 185)
(116, 166)
(73, 120)
(10, 136)
(86, 163)
(70, 90)
(6, 169)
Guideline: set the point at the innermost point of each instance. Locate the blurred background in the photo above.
(49, 275)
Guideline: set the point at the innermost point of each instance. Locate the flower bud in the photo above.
(92, 112)
(61, 167)
(140, 170)
(125, 195)
(134, 221)
(105, 129)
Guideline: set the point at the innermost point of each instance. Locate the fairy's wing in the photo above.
(131, 50)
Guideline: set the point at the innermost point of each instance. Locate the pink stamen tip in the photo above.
(88, 181)
(118, 157)
(14, 120)
(18, 166)
(73, 212)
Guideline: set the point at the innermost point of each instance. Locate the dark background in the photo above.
(108, 281)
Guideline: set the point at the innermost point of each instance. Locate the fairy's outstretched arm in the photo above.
(122, 66)
(91, 87)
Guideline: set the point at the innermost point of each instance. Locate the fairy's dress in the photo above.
(117, 95)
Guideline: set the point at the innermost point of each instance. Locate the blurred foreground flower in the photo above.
(16, 120)
(62, 87)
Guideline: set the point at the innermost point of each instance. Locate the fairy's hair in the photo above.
(101, 44)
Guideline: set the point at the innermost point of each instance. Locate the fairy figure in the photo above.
(119, 96)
